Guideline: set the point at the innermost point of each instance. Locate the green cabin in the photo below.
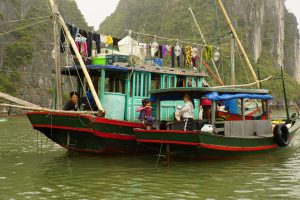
(121, 89)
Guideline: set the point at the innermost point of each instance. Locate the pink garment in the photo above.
(147, 111)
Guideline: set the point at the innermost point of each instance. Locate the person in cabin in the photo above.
(72, 104)
(187, 112)
(206, 107)
(145, 111)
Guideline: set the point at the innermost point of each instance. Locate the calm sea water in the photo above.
(32, 167)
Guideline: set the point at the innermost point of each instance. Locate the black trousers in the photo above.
(188, 124)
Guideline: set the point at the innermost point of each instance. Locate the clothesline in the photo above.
(169, 39)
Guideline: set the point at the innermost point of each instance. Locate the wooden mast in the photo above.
(61, 21)
(203, 39)
(58, 102)
(239, 44)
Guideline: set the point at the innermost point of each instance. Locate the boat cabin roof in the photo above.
(214, 94)
(92, 69)
(96, 69)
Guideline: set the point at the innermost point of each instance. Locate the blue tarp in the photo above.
(215, 96)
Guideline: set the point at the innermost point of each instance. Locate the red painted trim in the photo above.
(230, 148)
(62, 127)
(168, 142)
(114, 136)
(61, 114)
(96, 133)
(101, 120)
(96, 120)
(166, 131)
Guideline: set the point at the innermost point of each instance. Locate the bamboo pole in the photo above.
(212, 73)
(58, 17)
(245, 85)
(239, 44)
(17, 101)
(204, 41)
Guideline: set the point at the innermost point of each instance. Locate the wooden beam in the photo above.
(45, 109)
(17, 101)
(57, 62)
(239, 44)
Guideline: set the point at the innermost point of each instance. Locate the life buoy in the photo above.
(281, 135)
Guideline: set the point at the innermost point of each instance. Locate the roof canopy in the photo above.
(92, 69)
(215, 94)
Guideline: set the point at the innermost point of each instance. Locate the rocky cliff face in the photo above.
(272, 32)
(266, 27)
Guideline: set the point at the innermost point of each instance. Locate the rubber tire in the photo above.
(282, 135)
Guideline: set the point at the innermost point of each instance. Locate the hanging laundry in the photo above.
(63, 40)
(109, 40)
(208, 52)
(103, 39)
(89, 41)
(188, 52)
(165, 49)
(81, 44)
(195, 52)
(176, 55)
(154, 48)
(97, 39)
(177, 50)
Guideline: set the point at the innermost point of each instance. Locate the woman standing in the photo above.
(187, 112)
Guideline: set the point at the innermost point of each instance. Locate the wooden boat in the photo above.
(118, 90)
(114, 133)
(241, 135)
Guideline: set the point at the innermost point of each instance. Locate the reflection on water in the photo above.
(32, 167)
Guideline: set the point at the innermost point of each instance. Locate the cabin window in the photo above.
(141, 85)
(172, 82)
(155, 81)
(115, 83)
(180, 81)
(166, 82)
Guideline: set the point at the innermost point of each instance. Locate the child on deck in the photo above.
(146, 113)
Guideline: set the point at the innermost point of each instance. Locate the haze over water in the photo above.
(32, 167)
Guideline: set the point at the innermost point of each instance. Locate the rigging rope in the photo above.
(20, 20)
(32, 62)
(23, 27)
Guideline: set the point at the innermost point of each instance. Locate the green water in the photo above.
(32, 167)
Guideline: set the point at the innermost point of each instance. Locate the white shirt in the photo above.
(188, 110)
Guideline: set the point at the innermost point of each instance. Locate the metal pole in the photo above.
(239, 44)
(285, 96)
(57, 61)
(232, 61)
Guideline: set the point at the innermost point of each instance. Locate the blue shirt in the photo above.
(232, 106)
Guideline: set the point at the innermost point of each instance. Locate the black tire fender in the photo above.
(282, 135)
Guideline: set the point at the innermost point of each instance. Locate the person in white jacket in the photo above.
(187, 112)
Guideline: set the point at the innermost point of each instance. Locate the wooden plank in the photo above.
(46, 110)
(17, 101)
